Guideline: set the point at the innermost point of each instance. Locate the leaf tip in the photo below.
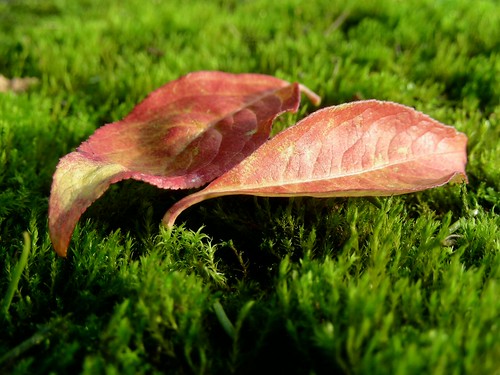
(77, 182)
(61, 226)
(459, 178)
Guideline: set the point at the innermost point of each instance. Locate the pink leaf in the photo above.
(182, 135)
(365, 148)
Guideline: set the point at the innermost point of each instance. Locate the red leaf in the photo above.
(182, 135)
(366, 148)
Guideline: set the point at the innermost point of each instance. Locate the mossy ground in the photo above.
(408, 285)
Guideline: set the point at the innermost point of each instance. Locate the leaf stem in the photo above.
(311, 95)
(186, 202)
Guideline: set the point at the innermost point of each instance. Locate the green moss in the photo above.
(402, 285)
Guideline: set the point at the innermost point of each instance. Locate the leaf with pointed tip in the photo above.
(183, 135)
(365, 148)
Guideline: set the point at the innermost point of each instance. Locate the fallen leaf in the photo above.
(16, 84)
(182, 135)
(365, 148)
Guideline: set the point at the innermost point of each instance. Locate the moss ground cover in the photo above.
(402, 285)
